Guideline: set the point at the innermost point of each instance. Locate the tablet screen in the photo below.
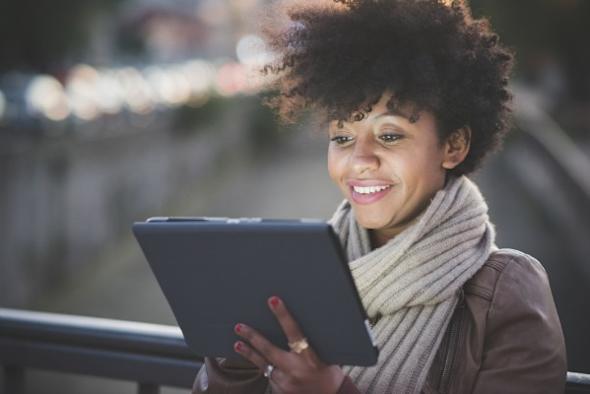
(216, 272)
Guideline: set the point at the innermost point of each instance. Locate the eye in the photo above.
(389, 137)
(341, 139)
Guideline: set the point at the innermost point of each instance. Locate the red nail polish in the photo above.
(238, 327)
(274, 301)
(238, 346)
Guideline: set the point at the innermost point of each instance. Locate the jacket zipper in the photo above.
(454, 334)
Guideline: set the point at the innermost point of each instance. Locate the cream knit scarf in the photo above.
(411, 284)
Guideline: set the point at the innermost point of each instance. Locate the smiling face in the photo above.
(388, 168)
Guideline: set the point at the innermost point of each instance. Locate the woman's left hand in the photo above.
(293, 372)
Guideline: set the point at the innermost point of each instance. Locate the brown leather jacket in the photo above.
(504, 337)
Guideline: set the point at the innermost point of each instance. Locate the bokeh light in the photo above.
(45, 95)
(231, 79)
(251, 50)
(109, 93)
(200, 74)
(82, 92)
(89, 93)
(165, 85)
(138, 95)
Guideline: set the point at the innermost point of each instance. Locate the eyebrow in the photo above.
(393, 112)
(390, 112)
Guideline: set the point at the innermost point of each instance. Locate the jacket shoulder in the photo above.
(523, 346)
(505, 262)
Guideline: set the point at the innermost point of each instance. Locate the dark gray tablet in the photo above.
(216, 272)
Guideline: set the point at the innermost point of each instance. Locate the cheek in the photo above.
(417, 170)
(334, 166)
(425, 174)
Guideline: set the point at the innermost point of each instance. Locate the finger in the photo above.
(250, 354)
(270, 352)
(277, 376)
(286, 320)
(290, 327)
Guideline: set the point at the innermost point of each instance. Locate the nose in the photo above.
(364, 156)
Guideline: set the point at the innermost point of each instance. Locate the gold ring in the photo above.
(299, 346)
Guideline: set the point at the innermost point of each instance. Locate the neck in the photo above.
(381, 236)
(378, 239)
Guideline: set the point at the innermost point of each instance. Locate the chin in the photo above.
(370, 223)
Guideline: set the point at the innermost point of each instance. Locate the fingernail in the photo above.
(238, 346)
(238, 327)
(274, 301)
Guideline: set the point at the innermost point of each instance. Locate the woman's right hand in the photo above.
(291, 372)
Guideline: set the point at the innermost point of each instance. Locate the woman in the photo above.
(414, 94)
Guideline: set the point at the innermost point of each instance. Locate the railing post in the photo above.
(148, 388)
(14, 379)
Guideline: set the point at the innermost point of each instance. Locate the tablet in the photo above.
(216, 272)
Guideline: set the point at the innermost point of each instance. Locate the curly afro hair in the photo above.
(339, 57)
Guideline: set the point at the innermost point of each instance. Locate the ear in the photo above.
(456, 147)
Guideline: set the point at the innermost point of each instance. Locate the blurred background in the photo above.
(112, 111)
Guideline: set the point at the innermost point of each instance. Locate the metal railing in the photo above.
(578, 383)
(149, 354)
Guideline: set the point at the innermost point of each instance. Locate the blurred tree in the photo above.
(38, 35)
(541, 28)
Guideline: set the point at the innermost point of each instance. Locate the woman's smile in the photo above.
(363, 192)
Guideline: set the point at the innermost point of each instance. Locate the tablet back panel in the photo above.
(215, 274)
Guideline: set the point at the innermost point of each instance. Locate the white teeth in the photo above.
(370, 189)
